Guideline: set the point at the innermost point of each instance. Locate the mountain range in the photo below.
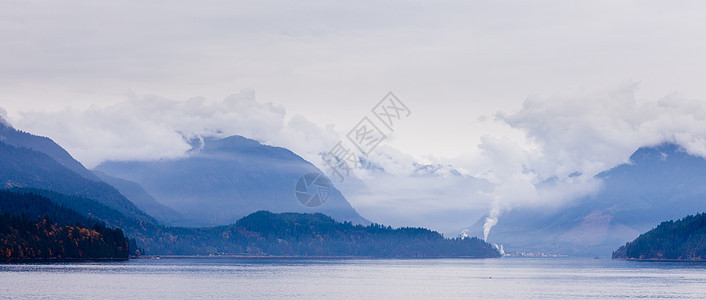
(34, 165)
(28, 161)
(224, 179)
(217, 183)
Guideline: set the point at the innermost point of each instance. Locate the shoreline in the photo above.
(660, 259)
(55, 259)
(289, 256)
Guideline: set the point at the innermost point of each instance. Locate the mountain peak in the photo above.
(230, 178)
(234, 142)
(657, 153)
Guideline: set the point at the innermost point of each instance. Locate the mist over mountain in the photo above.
(660, 183)
(143, 200)
(222, 180)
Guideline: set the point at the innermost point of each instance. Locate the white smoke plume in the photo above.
(573, 136)
(490, 221)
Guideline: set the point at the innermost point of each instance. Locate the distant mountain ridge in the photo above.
(13, 137)
(27, 161)
(143, 200)
(224, 179)
(26, 168)
(661, 183)
(36, 183)
(33, 162)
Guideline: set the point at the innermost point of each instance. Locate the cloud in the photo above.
(3, 117)
(572, 136)
(152, 127)
(591, 131)
(559, 143)
(395, 188)
(317, 57)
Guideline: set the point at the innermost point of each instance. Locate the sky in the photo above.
(512, 92)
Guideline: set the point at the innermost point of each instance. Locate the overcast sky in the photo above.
(493, 86)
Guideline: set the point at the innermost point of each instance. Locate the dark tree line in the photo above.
(25, 238)
(295, 234)
(684, 239)
(261, 233)
(34, 227)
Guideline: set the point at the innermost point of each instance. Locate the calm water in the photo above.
(559, 278)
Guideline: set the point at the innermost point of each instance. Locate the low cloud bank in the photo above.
(152, 127)
(564, 141)
(571, 137)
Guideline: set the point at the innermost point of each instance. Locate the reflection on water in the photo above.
(559, 278)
